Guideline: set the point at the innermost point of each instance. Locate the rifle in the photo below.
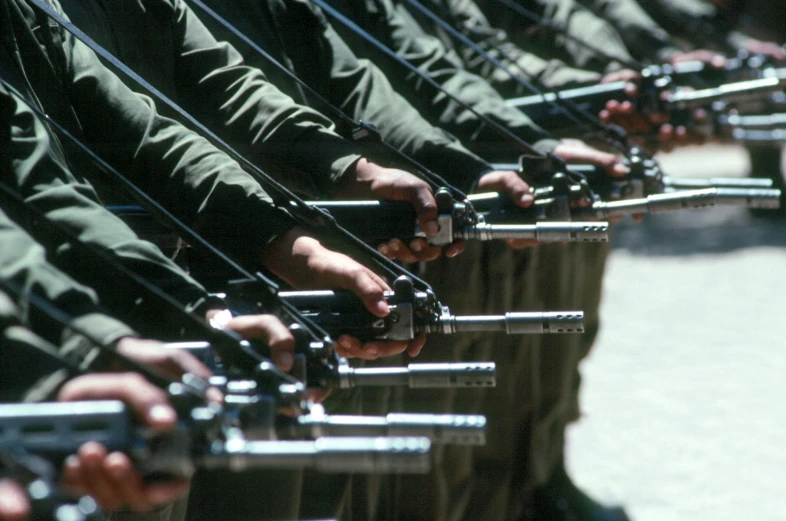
(657, 94)
(203, 438)
(332, 371)
(379, 221)
(341, 312)
(38, 477)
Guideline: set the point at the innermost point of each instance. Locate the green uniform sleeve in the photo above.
(28, 367)
(324, 60)
(550, 44)
(251, 112)
(23, 263)
(166, 43)
(467, 16)
(398, 30)
(695, 21)
(31, 166)
(198, 183)
(644, 38)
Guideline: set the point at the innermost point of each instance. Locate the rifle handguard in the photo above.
(342, 455)
(683, 200)
(453, 429)
(421, 376)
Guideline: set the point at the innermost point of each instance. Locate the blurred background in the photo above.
(684, 394)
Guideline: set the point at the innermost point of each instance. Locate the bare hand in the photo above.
(770, 49)
(375, 182)
(14, 505)
(304, 263)
(711, 58)
(269, 330)
(172, 362)
(574, 151)
(111, 478)
(511, 184)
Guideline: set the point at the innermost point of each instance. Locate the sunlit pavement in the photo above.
(684, 395)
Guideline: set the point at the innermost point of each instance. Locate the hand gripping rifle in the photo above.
(644, 182)
(644, 190)
(379, 221)
(203, 438)
(317, 360)
(309, 216)
(340, 312)
(38, 477)
(206, 435)
(457, 217)
(257, 407)
(657, 94)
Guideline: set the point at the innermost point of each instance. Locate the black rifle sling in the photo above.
(313, 219)
(499, 129)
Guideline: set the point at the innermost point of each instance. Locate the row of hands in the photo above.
(303, 262)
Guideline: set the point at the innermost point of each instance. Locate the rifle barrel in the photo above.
(454, 429)
(408, 455)
(518, 323)
(684, 200)
(739, 91)
(543, 232)
(692, 183)
(420, 376)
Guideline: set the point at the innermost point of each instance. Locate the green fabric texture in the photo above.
(298, 36)
(549, 44)
(644, 37)
(468, 17)
(702, 24)
(31, 164)
(195, 181)
(396, 27)
(165, 42)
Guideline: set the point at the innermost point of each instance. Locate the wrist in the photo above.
(289, 253)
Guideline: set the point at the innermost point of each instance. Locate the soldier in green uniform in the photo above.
(211, 190)
(731, 26)
(448, 492)
(239, 97)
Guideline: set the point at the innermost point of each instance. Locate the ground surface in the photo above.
(684, 397)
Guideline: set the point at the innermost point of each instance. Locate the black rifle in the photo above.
(203, 438)
(336, 372)
(206, 434)
(340, 312)
(38, 477)
(657, 94)
(379, 221)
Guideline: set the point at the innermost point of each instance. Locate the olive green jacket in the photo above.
(32, 167)
(25, 357)
(644, 37)
(165, 42)
(298, 36)
(194, 180)
(391, 24)
(468, 17)
(703, 24)
(547, 43)
(25, 368)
